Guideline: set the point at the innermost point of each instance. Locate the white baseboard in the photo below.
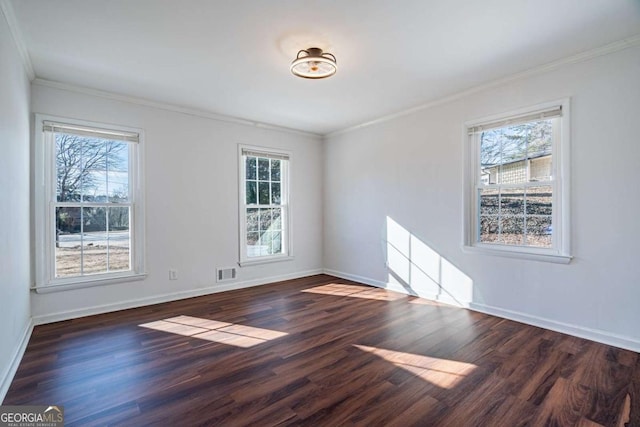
(157, 299)
(596, 335)
(565, 328)
(356, 278)
(7, 376)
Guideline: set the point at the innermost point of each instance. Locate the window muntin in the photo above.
(517, 201)
(264, 209)
(92, 207)
(515, 208)
(89, 205)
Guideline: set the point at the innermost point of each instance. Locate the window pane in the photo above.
(252, 219)
(263, 169)
(265, 219)
(68, 222)
(252, 197)
(251, 167)
(94, 223)
(488, 174)
(118, 186)
(504, 153)
(118, 219)
(93, 177)
(94, 240)
(119, 239)
(489, 229)
(539, 231)
(263, 193)
(276, 222)
(265, 242)
(118, 172)
(539, 150)
(68, 259)
(276, 243)
(514, 142)
(540, 169)
(512, 201)
(275, 170)
(513, 168)
(489, 201)
(490, 155)
(68, 247)
(68, 168)
(91, 169)
(540, 137)
(275, 193)
(94, 168)
(253, 248)
(119, 256)
(512, 230)
(513, 172)
(94, 186)
(94, 258)
(539, 200)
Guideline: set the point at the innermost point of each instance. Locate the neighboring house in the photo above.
(532, 169)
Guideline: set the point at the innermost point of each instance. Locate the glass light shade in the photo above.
(314, 64)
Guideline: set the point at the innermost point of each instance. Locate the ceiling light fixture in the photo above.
(313, 63)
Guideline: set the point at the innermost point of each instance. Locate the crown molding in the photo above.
(168, 107)
(573, 59)
(7, 11)
(9, 16)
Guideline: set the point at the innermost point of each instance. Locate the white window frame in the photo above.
(560, 250)
(45, 196)
(287, 254)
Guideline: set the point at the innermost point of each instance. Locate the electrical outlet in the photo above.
(173, 274)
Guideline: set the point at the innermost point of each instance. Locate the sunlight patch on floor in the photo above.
(215, 331)
(356, 292)
(443, 373)
(424, 301)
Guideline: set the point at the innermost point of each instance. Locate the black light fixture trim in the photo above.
(313, 63)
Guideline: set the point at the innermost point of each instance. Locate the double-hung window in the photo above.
(88, 204)
(264, 205)
(517, 178)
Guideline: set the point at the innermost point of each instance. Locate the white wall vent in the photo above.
(224, 274)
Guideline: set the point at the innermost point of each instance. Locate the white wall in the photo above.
(410, 170)
(191, 202)
(15, 267)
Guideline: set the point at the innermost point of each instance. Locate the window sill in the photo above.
(87, 283)
(514, 253)
(260, 261)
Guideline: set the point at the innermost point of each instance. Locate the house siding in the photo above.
(516, 172)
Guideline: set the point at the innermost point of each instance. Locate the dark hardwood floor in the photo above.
(322, 351)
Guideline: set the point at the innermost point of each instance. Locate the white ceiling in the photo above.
(232, 57)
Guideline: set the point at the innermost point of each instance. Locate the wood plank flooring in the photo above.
(321, 351)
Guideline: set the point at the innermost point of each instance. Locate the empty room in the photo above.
(320, 213)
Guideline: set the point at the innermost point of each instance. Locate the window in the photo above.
(89, 204)
(264, 205)
(517, 198)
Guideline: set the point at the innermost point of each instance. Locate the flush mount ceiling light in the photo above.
(313, 63)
